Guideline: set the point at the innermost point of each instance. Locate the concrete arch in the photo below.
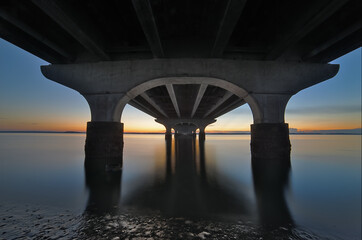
(231, 87)
(185, 128)
(198, 123)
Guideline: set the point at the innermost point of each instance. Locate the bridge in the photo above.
(184, 62)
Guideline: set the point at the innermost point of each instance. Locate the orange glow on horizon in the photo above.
(325, 126)
(82, 128)
(148, 125)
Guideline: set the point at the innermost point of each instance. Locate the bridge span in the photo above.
(184, 62)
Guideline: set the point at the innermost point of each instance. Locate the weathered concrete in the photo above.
(185, 126)
(269, 108)
(270, 141)
(202, 134)
(104, 107)
(203, 173)
(242, 78)
(104, 146)
(252, 76)
(168, 133)
(185, 129)
(269, 133)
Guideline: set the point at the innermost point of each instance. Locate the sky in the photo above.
(30, 102)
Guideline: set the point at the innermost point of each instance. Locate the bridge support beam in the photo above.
(185, 126)
(185, 129)
(202, 133)
(104, 142)
(270, 141)
(104, 146)
(269, 133)
(168, 133)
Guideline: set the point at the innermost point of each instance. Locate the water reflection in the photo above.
(104, 191)
(187, 190)
(42, 188)
(270, 179)
(184, 191)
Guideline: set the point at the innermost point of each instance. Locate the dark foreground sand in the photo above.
(30, 222)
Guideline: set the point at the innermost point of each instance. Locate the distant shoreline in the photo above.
(210, 133)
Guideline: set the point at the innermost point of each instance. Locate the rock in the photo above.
(160, 234)
(113, 224)
(203, 235)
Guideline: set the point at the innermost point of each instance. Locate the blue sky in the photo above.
(29, 101)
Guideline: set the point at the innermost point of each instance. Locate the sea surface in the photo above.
(183, 189)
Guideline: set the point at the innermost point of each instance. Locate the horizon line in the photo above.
(292, 131)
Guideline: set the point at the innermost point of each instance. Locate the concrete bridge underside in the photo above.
(184, 62)
(187, 94)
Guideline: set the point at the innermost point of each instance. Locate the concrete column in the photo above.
(104, 142)
(269, 133)
(270, 140)
(202, 159)
(168, 159)
(104, 146)
(168, 133)
(105, 107)
(185, 129)
(202, 133)
(186, 126)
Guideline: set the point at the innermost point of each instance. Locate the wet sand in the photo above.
(32, 222)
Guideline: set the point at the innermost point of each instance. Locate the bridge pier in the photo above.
(185, 126)
(104, 146)
(202, 133)
(269, 133)
(270, 141)
(185, 129)
(168, 133)
(104, 141)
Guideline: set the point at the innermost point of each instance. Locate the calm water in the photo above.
(182, 190)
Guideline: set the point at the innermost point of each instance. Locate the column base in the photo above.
(270, 141)
(104, 146)
(168, 136)
(202, 136)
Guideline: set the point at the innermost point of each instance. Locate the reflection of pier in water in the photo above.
(187, 190)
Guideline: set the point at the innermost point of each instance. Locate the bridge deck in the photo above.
(91, 30)
(66, 31)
